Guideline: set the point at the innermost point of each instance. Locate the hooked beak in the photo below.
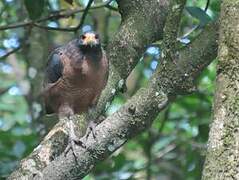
(90, 40)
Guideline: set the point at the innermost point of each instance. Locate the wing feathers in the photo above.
(54, 68)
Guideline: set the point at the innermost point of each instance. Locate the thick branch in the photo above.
(172, 26)
(142, 24)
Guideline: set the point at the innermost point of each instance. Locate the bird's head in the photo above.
(89, 40)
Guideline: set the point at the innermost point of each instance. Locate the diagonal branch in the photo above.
(11, 52)
(4, 90)
(130, 43)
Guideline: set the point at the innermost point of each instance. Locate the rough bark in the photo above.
(222, 159)
(142, 24)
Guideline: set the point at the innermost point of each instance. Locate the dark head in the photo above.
(89, 41)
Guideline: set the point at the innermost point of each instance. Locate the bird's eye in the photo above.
(97, 36)
(83, 37)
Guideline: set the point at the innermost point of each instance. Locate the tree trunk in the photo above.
(222, 161)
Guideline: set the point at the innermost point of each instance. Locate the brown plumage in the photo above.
(82, 74)
(76, 74)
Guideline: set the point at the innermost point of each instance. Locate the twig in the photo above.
(165, 118)
(111, 7)
(72, 29)
(207, 5)
(11, 52)
(58, 15)
(4, 90)
(84, 16)
(69, 29)
(165, 151)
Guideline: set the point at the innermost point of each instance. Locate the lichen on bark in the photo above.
(222, 160)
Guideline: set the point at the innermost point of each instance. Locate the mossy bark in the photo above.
(141, 24)
(222, 159)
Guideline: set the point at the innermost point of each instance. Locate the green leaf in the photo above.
(34, 8)
(199, 14)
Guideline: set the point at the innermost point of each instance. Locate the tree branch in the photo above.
(131, 119)
(58, 15)
(67, 29)
(11, 52)
(169, 50)
(172, 26)
(4, 90)
(130, 43)
(84, 15)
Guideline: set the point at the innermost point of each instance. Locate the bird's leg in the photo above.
(93, 122)
(91, 128)
(73, 140)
